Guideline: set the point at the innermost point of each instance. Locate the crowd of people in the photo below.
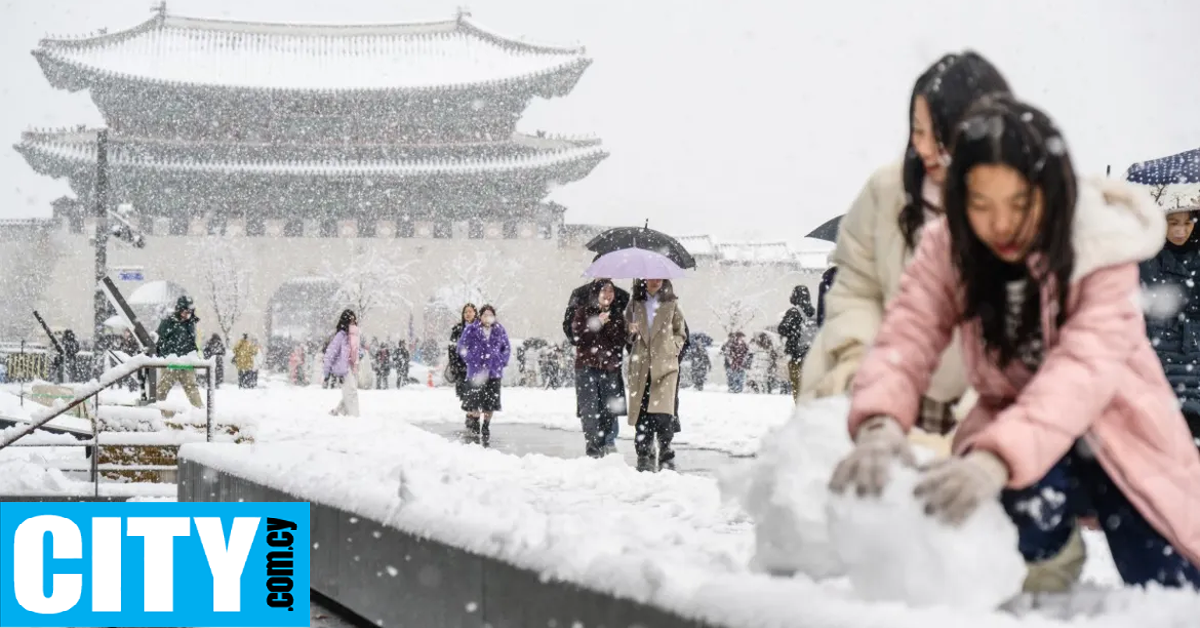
(984, 302)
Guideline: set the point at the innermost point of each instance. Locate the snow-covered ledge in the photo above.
(393, 577)
(400, 513)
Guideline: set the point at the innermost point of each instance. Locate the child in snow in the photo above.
(1038, 272)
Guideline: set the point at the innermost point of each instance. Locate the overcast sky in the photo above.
(746, 119)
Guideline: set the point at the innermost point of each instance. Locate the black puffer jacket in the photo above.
(1173, 320)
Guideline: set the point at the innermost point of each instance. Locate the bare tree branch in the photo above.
(226, 283)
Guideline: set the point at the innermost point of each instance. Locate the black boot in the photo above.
(646, 464)
(473, 425)
(666, 460)
(485, 433)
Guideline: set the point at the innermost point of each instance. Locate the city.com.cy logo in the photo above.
(152, 564)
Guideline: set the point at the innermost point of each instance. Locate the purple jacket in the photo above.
(341, 354)
(484, 355)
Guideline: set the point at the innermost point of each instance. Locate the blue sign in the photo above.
(131, 275)
(151, 564)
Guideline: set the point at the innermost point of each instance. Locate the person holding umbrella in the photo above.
(599, 331)
(580, 299)
(657, 335)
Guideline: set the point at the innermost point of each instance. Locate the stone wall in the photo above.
(528, 280)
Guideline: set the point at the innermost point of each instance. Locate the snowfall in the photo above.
(701, 545)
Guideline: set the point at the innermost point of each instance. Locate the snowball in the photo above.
(893, 551)
(785, 489)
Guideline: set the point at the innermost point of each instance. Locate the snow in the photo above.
(294, 57)
(73, 147)
(784, 490)
(666, 539)
(159, 292)
(893, 551)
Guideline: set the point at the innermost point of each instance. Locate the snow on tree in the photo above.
(368, 279)
(735, 306)
(481, 277)
(226, 278)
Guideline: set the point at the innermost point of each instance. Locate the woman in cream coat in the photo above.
(875, 242)
(878, 235)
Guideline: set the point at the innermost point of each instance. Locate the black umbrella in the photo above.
(827, 231)
(622, 238)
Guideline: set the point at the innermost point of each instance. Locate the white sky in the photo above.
(755, 119)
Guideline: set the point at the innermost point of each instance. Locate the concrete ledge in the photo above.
(392, 578)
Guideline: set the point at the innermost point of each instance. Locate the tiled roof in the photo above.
(79, 147)
(249, 55)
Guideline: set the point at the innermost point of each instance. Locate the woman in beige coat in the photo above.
(879, 233)
(657, 333)
(875, 242)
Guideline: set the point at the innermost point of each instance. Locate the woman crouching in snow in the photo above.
(1075, 417)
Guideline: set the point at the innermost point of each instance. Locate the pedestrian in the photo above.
(599, 332)
(797, 329)
(1173, 308)
(657, 335)
(243, 360)
(70, 362)
(701, 364)
(579, 298)
(383, 365)
(214, 350)
(402, 361)
(881, 230)
(177, 338)
(341, 363)
(736, 354)
(485, 349)
(1075, 417)
(456, 367)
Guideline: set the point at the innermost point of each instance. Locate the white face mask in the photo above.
(489, 319)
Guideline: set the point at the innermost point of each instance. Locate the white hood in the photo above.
(1115, 223)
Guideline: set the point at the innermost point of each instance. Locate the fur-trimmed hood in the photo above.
(1115, 223)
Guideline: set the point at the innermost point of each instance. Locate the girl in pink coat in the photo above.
(1038, 271)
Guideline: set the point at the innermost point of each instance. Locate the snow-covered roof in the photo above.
(755, 251)
(79, 147)
(810, 253)
(698, 245)
(177, 50)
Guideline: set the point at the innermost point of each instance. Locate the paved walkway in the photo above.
(520, 439)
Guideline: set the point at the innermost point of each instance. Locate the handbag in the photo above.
(450, 374)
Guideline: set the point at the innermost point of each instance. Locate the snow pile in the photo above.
(893, 551)
(785, 490)
(663, 539)
(21, 477)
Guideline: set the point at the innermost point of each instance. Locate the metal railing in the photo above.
(91, 392)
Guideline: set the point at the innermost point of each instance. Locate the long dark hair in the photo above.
(347, 318)
(950, 86)
(665, 293)
(1002, 130)
(462, 314)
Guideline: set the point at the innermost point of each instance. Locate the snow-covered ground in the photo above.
(669, 539)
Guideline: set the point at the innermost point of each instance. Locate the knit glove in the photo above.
(879, 442)
(953, 488)
(837, 380)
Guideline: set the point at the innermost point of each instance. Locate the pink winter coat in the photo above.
(1100, 379)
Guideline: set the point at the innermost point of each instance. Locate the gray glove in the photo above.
(879, 442)
(955, 487)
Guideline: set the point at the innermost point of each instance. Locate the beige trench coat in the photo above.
(655, 355)
(871, 258)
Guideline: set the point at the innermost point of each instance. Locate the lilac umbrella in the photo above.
(634, 264)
